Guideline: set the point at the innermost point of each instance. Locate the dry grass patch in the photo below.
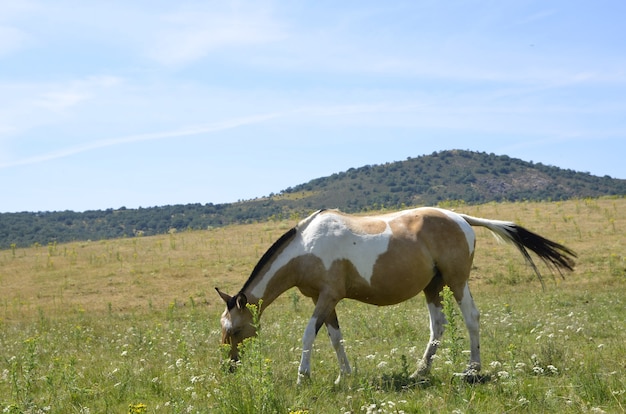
(132, 324)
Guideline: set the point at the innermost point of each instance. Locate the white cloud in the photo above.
(60, 101)
(11, 39)
(63, 96)
(185, 36)
(28, 106)
(183, 132)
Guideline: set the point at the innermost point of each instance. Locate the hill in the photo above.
(470, 177)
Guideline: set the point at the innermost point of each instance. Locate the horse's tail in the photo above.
(554, 255)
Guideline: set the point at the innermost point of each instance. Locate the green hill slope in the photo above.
(455, 175)
(472, 177)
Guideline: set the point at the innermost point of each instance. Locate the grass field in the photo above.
(132, 326)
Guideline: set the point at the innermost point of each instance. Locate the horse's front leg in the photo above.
(323, 309)
(336, 339)
(310, 332)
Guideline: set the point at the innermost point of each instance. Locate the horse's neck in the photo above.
(269, 285)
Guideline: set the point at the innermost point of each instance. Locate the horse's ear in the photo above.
(226, 298)
(241, 301)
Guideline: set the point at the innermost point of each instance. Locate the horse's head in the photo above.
(236, 322)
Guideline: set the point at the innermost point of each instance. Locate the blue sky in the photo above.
(147, 103)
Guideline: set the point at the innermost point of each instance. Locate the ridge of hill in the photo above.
(462, 176)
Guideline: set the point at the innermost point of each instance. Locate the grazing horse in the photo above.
(380, 260)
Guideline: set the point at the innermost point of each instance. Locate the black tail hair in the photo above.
(554, 255)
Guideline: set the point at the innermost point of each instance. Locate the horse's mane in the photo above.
(269, 254)
(278, 244)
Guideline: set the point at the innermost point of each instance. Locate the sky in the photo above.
(149, 103)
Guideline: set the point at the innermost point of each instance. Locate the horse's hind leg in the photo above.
(471, 315)
(437, 322)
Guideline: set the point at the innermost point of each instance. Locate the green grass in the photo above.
(132, 326)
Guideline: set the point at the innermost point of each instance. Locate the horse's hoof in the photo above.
(420, 374)
(417, 376)
(472, 376)
(477, 378)
(303, 377)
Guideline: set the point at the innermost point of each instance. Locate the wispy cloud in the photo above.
(59, 101)
(11, 39)
(189, 131)
(188, 35)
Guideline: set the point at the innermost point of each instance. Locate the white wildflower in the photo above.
(381, 364)
(503, 374)
(495, 364)
(369, 409)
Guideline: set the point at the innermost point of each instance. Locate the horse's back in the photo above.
(388, 258)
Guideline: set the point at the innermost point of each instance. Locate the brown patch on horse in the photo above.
(419, 249)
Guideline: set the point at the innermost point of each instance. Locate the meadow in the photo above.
(132, 326)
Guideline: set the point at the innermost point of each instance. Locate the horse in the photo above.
(379, 260)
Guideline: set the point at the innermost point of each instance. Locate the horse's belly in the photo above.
(388, 291)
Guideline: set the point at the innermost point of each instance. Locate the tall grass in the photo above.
(132, 326)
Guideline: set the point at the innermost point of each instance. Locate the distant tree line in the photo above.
(472, 177)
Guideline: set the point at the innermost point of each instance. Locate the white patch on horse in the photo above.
(330, 239)
(470, 236)
(226, 323)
